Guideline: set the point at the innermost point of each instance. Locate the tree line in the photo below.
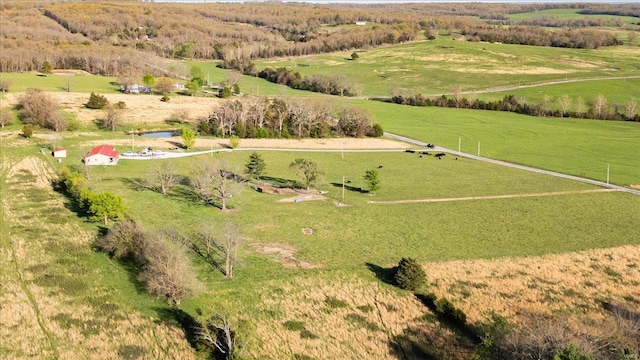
(598, 108)
(287, 118)
(531, 35)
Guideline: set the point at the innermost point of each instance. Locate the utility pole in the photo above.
(478, 148)
(459, 143)
(342, 188)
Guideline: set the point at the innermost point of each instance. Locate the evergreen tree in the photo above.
(373, 180)
(97, 101)
(409, 275)
(255, 166)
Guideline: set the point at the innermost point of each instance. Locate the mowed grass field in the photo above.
(347, 237)
(573, 146)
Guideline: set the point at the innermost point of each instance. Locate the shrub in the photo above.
(234, 141)
(27, 131)
(447, 310)
(97, 101)
(376, 131)
(293, 325)
(571, 352)
(409, 275)
(124, 241)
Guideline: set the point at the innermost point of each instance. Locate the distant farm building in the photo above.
(361, 23)
(101, 155)
(59, 152)
(136, 89)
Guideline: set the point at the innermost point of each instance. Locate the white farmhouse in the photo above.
(101, 155)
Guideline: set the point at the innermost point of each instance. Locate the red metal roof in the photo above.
(106, 150)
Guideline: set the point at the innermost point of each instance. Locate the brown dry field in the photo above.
(141, 109)
(569, 287)
(36, 320)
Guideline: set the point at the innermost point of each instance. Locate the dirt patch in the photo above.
(307, 231)
(303, 197)
(284, 254)
(42, 174)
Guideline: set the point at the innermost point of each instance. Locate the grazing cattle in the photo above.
(379, 166)
(410, 151)
(439, 155)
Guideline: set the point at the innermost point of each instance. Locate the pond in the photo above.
(160, 134)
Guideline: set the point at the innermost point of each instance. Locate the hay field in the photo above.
(57, 298)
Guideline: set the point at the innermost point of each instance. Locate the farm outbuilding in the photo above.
(59, 152)
(101, 155)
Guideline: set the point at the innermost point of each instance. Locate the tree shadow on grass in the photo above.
(349, 187)
(404, 347)
(183, 194)
(277, 182)
(133, 272)
(455, 324)
(175, 317)
(386, 275)
(137, 184)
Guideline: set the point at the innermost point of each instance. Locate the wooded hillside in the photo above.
(111, 37)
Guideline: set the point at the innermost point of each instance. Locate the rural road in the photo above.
(516, 166)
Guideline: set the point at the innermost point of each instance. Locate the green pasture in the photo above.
(248, 84)
(572, 146)
(346, 237)
(440, 66)
(52, 82)
(573, 14)
(619, 91)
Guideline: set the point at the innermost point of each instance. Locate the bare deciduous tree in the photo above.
(165, 176)
(215, 182)
(6, 117)
(113, 117)
(230, 241)
(599, 107)
(217, 332)
(124, 241)
(355, 121)
(631, 109)
(457, 95)
(39, 108)
(5, 85)
(167, 270)
(564, 102)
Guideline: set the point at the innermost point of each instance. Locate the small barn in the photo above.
(101, 155)
(59, 152)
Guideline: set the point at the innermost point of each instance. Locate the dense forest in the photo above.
(110, 38)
